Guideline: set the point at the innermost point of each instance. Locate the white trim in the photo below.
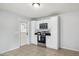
(70, 49)
(9, 50)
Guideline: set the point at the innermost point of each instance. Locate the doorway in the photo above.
(23, 33)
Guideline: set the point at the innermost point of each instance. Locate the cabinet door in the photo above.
(52, 41)
(37, 24)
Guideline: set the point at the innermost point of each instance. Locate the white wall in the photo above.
(70, 30)
(9, 31)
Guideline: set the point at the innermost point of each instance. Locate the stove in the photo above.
(41, 38)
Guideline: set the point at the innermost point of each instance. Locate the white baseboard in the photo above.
(70, 49)
(9, 50)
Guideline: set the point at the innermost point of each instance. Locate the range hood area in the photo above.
(44, 32)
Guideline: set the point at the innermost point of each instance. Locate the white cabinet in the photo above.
(53, 40)
(37, 23)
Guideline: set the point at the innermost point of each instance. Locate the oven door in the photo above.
(42, 39)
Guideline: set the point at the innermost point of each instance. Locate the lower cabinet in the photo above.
(52, 43)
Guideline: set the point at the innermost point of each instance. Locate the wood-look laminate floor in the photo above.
(32, 50)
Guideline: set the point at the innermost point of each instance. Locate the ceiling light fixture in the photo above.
(36, 4)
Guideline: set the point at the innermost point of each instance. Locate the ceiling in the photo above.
(45, 9)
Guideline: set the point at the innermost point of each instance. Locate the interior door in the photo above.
(23, 33)
(33, 36)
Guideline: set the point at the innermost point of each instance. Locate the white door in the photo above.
(23, 34)
(33, 30)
